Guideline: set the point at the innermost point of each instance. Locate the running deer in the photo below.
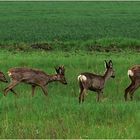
(134, 75)
(34, 77)
(94, 82)
(2, 77)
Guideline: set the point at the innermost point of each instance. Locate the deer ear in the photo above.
(62, 69)
(110, 63)
(106, 64)
(56, 69)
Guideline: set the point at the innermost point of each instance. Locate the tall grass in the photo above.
(59, 115)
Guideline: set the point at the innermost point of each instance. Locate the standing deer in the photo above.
(2, 77)
(94, 82)
(34, 77)
(134, 75)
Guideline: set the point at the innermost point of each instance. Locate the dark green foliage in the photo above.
(70, 25)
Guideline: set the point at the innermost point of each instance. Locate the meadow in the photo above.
(80, 36)
(59, 115)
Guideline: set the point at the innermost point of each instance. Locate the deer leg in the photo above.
(80, 96)
(81, 91)
(98, 96)
(102, 95)
(44, 90)
(13, 92)
(135, 87)
(33, 89)
(127, 90)
(11, 85)
(83, 95)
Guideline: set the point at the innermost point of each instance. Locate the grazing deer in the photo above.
(94, 82)
(2, 77)
(134, 75)
(34, 77)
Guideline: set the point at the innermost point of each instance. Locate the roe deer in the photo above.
(134, 75)
(2, 77)
(34, 77)
(93, 82)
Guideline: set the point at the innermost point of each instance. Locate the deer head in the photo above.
(109, 68)
(2, 77)
(61, 74)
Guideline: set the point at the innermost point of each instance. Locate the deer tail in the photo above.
(130, 73)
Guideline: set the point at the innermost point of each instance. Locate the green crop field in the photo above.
(80, 36)
(66, 21)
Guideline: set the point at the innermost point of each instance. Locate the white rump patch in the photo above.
(130, 72)
(82, 78)
(9, 73)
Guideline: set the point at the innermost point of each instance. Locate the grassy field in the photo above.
(59, 115)
(31, 22)
(80, 36)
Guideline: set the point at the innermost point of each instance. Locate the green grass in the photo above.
(101, 26)
(73, 32)
(31, 22)
(59, 115)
